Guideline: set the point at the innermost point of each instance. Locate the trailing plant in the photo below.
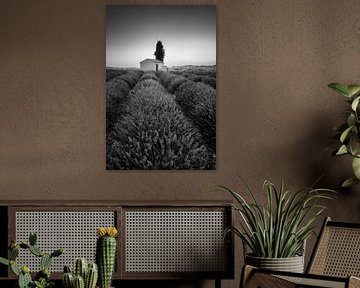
(84, 274)
(348, 132)
(106, 254)
(279, 229)
(42, 278)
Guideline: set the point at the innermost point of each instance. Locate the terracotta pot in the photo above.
(291, 264)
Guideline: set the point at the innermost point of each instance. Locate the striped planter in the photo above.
(291, 264)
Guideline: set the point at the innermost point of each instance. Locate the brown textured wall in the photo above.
(275, 113)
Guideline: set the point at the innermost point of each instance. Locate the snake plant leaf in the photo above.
(342, 150)
(356, 167)
(349, 182)
(340, 88)
(345, 134)
(353, 89)
(355, 103)
(278, 228)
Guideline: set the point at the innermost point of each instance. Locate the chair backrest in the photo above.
(337, 251)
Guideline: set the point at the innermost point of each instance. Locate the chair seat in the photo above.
(335, 262)
(267, 279)
(315, 282)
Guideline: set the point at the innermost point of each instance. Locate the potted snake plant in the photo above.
(348, 133)
(274, 234)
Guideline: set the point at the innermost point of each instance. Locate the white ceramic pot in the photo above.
(291, 264)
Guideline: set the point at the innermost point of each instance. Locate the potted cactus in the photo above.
(42, 278)
(84, 275)
(106, 254)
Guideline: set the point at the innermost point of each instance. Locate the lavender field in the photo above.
(164, 120)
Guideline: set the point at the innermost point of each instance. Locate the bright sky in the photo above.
(188, 34)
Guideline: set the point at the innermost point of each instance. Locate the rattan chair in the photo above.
(334, 263)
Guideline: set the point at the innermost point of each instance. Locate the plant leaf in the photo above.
(353, 89)
(349, 182)
(342, 150)
(345, 134)
(355, 103)
(356, 167)
(351, 120)
(4, 261)
(340, 88)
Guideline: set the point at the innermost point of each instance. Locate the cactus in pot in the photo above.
(106, 254)
(85, 275)
(42, 278)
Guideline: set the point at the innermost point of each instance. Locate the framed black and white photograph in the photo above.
(161, 87)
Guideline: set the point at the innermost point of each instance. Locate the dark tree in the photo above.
(160, 51)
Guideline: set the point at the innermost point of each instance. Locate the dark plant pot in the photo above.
(291, 264)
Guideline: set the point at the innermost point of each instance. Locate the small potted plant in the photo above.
(84, 274)
(348, 132)
(42, 278)
(275, 233)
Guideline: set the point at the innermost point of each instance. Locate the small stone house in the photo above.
(152, 65)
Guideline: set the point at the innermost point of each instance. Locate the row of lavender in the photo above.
(148, 127)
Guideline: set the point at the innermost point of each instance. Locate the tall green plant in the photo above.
(348, 132)
(106, 254)
(279, 229)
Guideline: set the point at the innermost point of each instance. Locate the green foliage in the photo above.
(68, 280)
(45, 261)
(155, 134)
(42, 278)
(44, 273)
(105, 259)
(4, 261)
(14, 268)
(279, 229)
(32, 238)
(36, 251)
(348, 132)
(81, 266)
(79, 282)
(43, 283)
(85, 274)
(91, 276)
(24, 280)
(13, 253)
(198, 102)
